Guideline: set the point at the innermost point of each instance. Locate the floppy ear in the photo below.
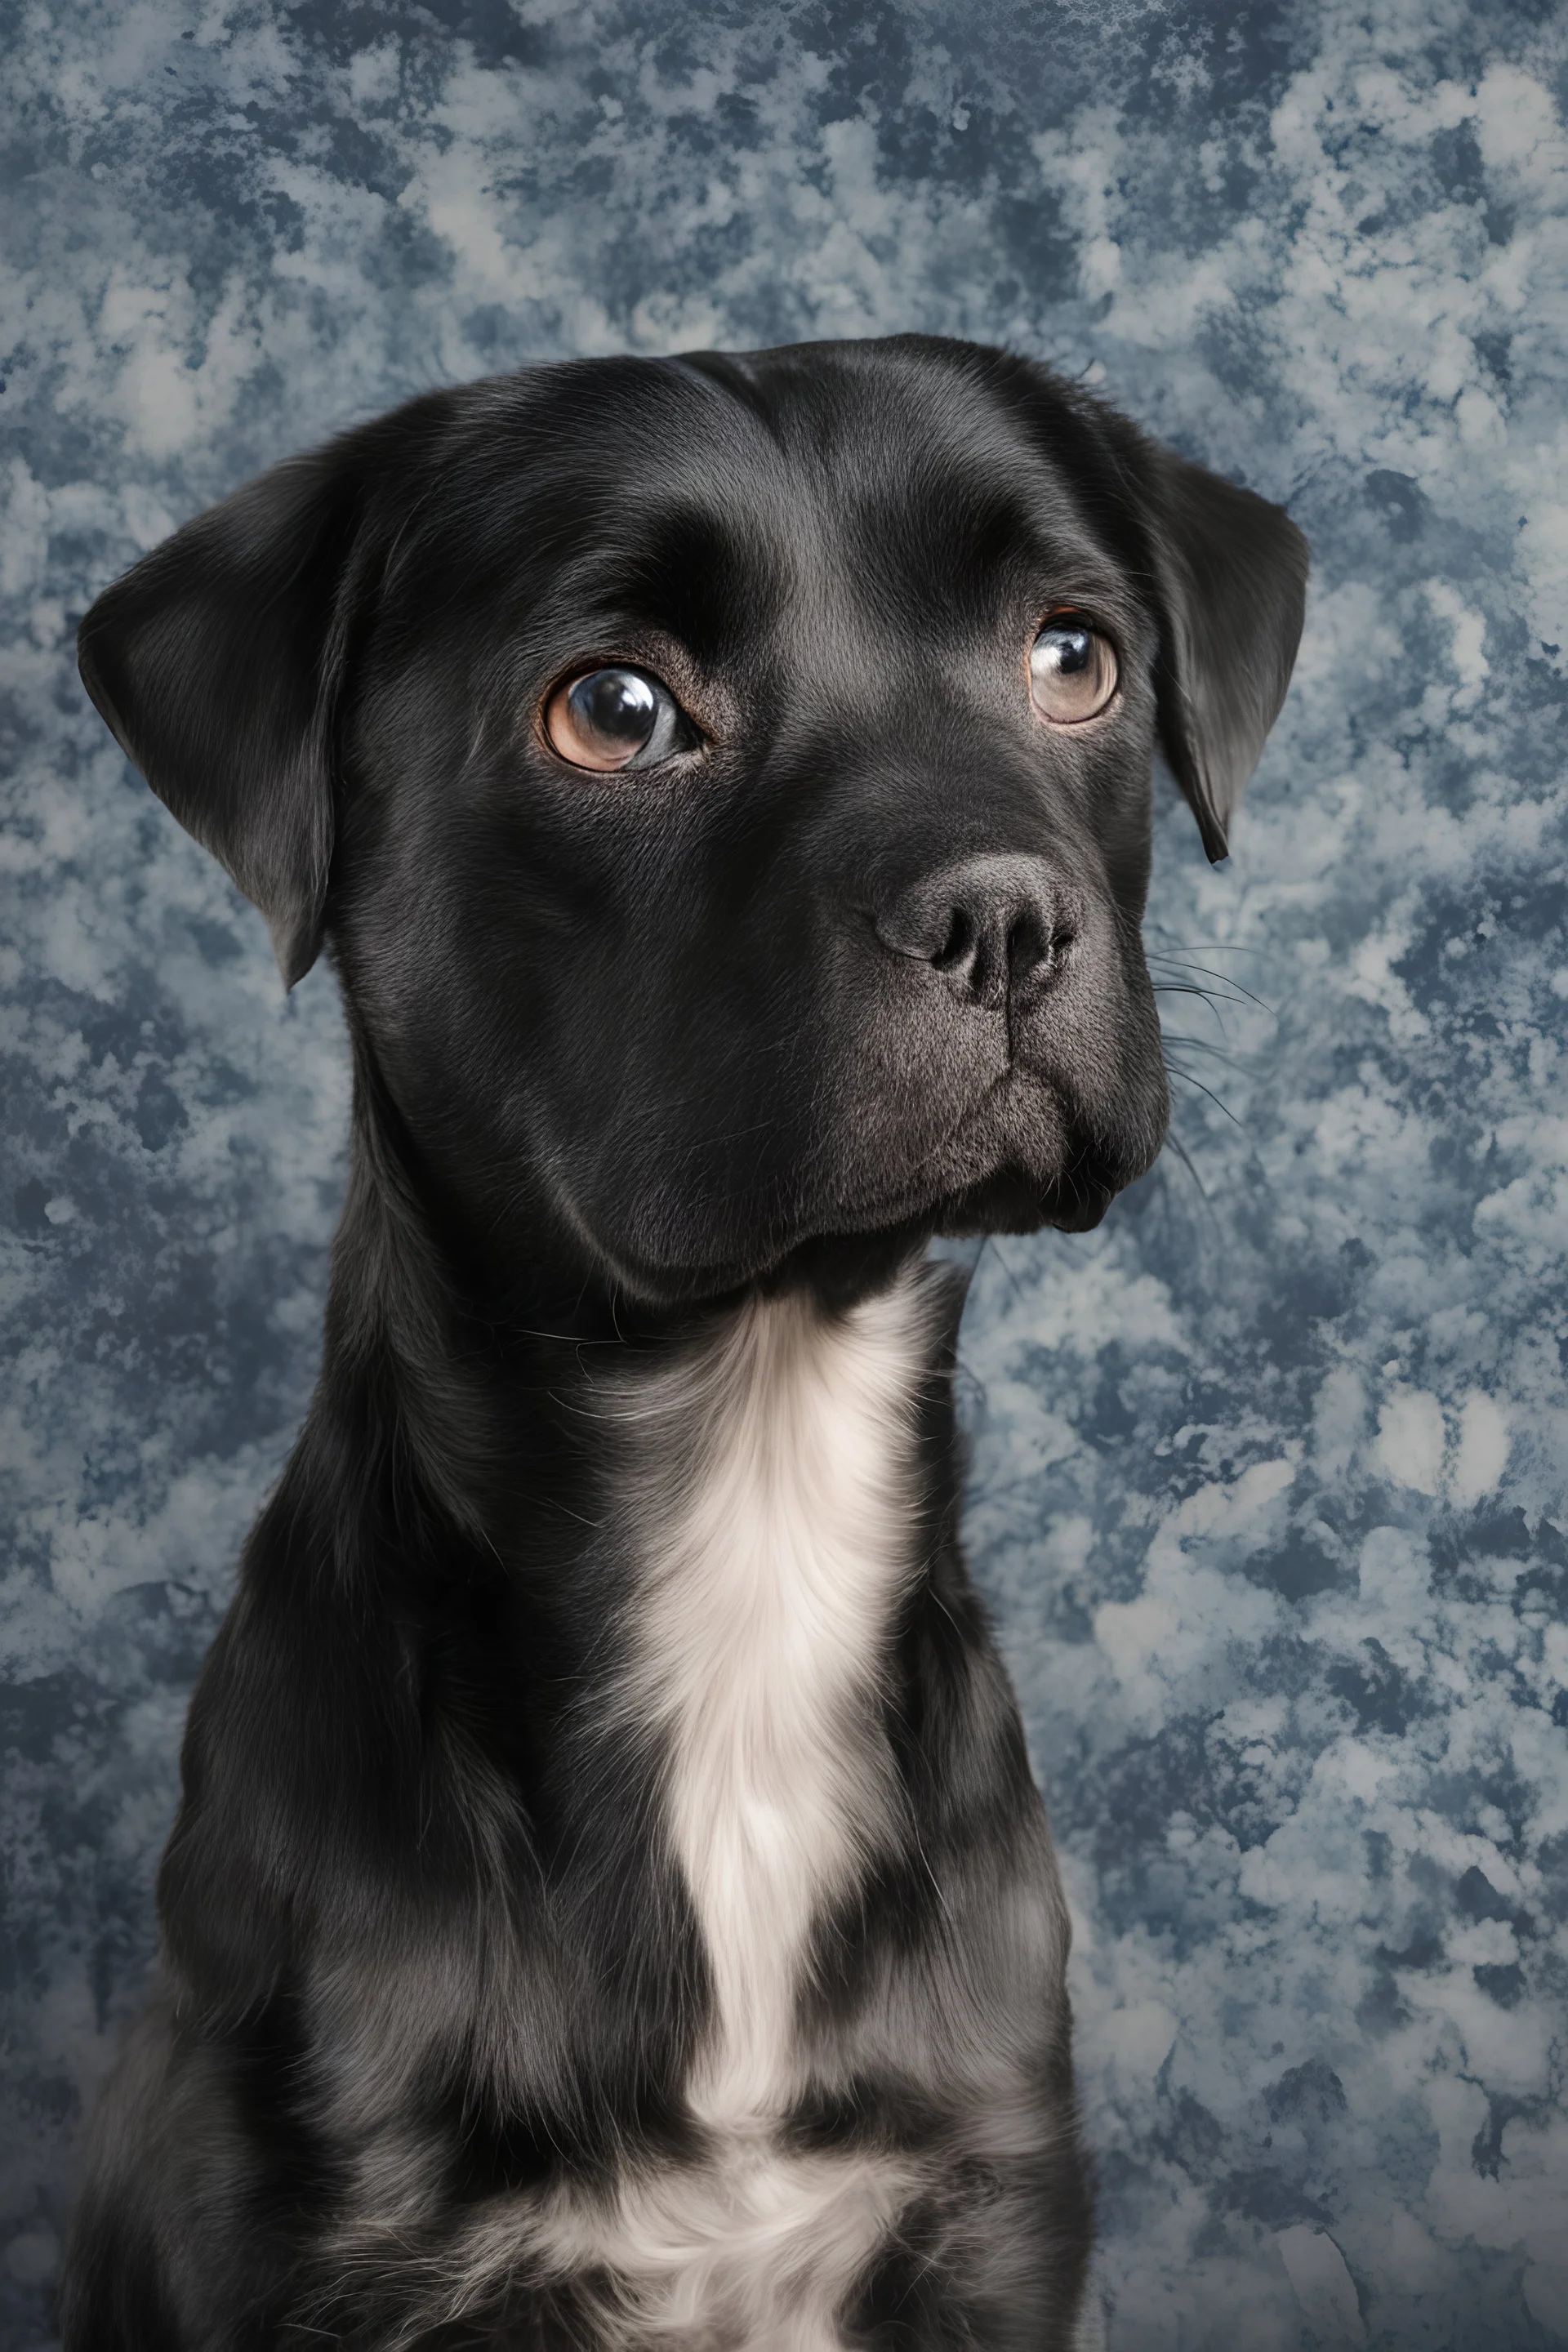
(1231, 574)
(216, 663)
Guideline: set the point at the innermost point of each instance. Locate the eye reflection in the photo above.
(1072, 670)
(604, 720)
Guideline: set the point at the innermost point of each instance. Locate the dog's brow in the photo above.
(689, 571)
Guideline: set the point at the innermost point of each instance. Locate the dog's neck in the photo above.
(484, 1383)
(699, 1539)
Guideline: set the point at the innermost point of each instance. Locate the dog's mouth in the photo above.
(1011, 1202)
(1010, 1198)
(842, 1259)
(1015, 1162)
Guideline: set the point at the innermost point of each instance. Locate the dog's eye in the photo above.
(614, 719)
(1072, 670)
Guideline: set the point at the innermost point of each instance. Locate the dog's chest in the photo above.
(775, 1481)
(777, 1542)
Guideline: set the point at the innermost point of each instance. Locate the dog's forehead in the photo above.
(663, 486)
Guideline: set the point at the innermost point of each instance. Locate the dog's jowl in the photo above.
(610, 1906)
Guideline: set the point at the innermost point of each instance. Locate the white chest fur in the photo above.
(767, 1485)
(772, 1473)
(781, 1539)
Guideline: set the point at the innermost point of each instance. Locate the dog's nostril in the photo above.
(1029, 945)
(958, 948)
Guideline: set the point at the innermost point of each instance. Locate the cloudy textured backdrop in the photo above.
(1269, 1487)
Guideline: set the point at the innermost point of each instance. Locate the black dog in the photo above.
(610, 1906)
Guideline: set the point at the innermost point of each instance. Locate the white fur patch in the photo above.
(773, 1474)
(777, 1561)
(754, 2249)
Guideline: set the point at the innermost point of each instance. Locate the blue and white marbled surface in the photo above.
(1268, 1472)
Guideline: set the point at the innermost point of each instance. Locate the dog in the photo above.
(609, 1906)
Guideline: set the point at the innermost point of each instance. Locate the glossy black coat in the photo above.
(859, 966)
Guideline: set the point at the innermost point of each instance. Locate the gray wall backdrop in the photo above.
(1268, 1472)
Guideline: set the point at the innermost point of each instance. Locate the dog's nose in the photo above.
(992, 926)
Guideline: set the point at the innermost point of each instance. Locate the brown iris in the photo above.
(606, 719)
(1072, 670)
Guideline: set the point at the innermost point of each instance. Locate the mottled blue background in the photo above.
(1269, 1478)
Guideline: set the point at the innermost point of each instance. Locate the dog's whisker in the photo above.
(1177, 1072)
(1175, 1144)
(1230, 988)
(1226, 1053)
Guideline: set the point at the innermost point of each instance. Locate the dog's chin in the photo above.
(841, 1266)
(997, 1174)
(847, 1250)
(843, 1260)
(1012, 1201)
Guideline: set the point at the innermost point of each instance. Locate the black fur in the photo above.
(626, 1047)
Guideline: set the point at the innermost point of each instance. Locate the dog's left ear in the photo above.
(1230, 573)
(216, 663)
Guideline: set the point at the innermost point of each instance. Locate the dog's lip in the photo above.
(926, 1201)
(1069, 1205)
(929, 1191)
(1069, 1202)
(918, 1215)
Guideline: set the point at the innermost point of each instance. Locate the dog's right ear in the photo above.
(216, 662)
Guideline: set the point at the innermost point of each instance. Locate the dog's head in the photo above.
(724, 781)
